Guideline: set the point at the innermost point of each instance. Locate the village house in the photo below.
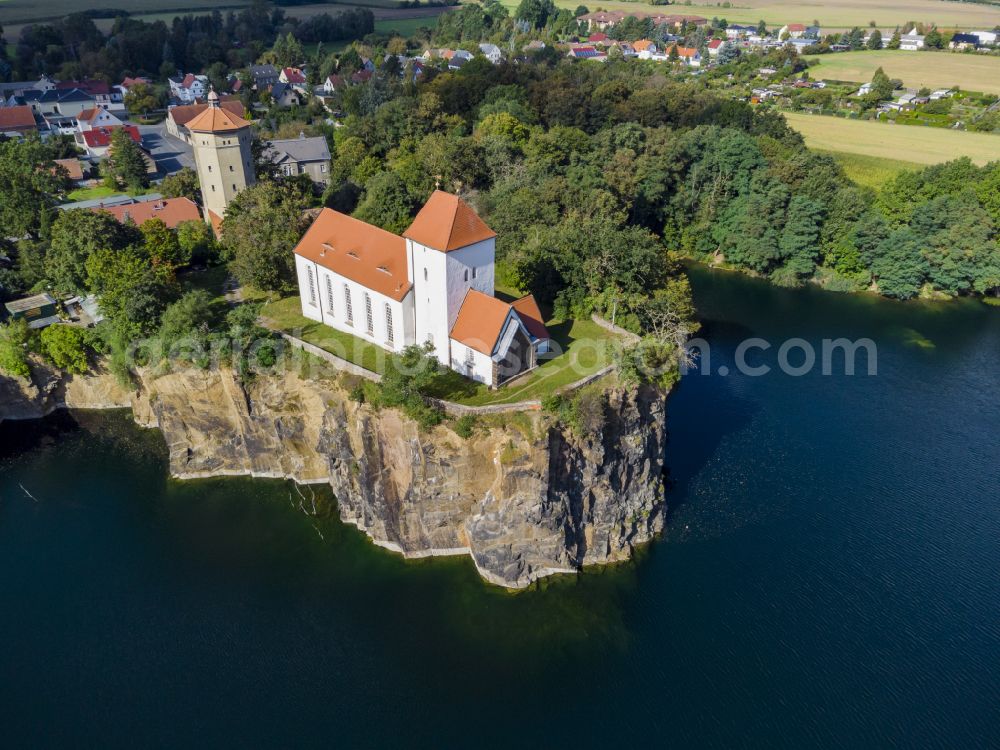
(735, 31)
(645, 49)
(433, 284)
(714, 47)
(491, 52)
(285, 95)
(292, 76)
(302, 155)
(17, 120)
(687, 55)
(964, 42)
(188, 88)
(264, 76)
(74, 169)
(911, 41)
(89, 119)
(171, 211)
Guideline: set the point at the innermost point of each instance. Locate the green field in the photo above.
(21, 11)
(871, 171)
(934, 70)
(832, 16)
(910, 143)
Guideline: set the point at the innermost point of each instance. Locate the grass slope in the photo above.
(871, 171)
(920, 145)
(586, 349)
(916, 69)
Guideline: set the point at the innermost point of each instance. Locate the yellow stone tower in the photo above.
(221, 141)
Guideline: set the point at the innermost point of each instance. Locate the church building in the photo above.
(434, 284)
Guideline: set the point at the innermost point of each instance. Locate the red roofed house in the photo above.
(171, 211)
(19, 119)
(794, 30)
(714, 46)
(688, 55)
(598, 38)
(292, 76)
(97, 140)
(434, 284)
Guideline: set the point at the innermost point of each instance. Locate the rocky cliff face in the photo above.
(524, 496)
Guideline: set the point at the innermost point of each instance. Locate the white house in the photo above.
(188, 88)
(434, 284)
(96, 117)
(987, 38)
(911, 41)
(491, 52)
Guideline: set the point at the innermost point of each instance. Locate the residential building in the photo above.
(333, 84)
(964, 41)
(714, 47)
(74, 170)
(221, 142)
(97, 141)
(187, 89)
(171, 211)
(434, 284)
(793, 30)
(911, 41)
(284, 95)
(89, 119)
(986, 38)
(586, 52)
(688, 55)
(735, 31)
(264, 76)
(645, 49)
(128, 82)
(18, 119)
(302, 155)
(292, 76)
(491, 52)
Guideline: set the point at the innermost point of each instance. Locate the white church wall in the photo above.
(308, 278)
(469, 268)
(326, 300)
(429, 268)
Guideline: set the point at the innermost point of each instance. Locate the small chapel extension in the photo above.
(434, 284)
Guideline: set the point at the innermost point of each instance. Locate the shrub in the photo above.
(14, 339)
(465, 426)
(66, 347)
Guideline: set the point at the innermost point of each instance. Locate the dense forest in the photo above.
(591, 173)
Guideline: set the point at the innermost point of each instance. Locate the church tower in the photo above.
(450, 250)
(221, 141)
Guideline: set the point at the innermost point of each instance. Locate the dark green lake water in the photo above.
(831, 578)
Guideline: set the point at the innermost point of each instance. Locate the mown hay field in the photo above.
(832, 16)
(907, 143)
(972, 72)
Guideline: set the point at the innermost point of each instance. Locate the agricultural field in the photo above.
(14, 14)
(21, 11)
(916, 69)
(843, 14)
(920, 145)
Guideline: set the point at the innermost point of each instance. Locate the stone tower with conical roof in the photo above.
(222, 155)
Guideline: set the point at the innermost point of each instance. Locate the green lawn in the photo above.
(99, 191)
(585, 347)
(286, 315)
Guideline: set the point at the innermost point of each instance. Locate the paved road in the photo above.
(171, 154)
